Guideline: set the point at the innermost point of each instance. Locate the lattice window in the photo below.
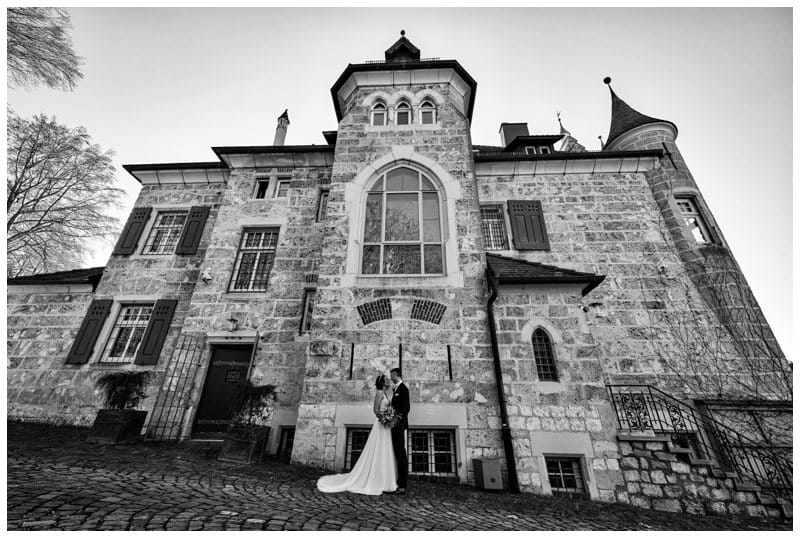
(544, 356)
(356, 439)
(165, 233)
(126, 336)
(375, 311)
(308, 310)
(494, 227)
(429, 311)
(431, 452)
(565, 475)
(254, 259)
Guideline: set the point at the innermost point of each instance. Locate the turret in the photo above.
(280, 130)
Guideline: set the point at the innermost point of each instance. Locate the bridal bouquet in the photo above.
(389, 418)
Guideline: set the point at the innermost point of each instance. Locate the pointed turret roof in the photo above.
(403, 50)
(624, 117)
(284, 116)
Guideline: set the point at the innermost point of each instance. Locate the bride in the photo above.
(375, 472)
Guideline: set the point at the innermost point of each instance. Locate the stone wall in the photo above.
(661, 476)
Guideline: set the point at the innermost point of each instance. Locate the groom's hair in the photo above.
(396, 371)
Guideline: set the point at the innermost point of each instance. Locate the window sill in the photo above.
(406, 281)
(151, 256)
(244, 294)
(549, 387)
(410, 128)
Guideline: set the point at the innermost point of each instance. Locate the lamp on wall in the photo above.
(234, 324)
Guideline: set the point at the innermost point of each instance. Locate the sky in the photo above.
(166, 84)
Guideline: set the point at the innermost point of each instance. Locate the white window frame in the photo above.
(278, 183)
(379, 109)
(530, 150)
(405, 108)
(699, 218)
(382, 243)
(423, 109)
(109, 339)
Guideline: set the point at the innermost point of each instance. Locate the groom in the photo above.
(401, 406)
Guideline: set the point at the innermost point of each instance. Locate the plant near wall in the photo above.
(124, 390)
(120, 421)
(246, 438)
(254, 405)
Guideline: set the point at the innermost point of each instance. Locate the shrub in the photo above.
(124, 390)
(253, 405)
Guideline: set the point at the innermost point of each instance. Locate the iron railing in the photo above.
(646, 409)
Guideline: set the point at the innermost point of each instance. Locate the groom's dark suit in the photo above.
(401, 405)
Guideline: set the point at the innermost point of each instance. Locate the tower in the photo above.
(280, 130)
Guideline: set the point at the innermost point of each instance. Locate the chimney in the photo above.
(510, 131)
(280, 130)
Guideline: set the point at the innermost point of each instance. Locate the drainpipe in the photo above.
(505, 431)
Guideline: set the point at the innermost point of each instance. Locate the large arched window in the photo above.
(378, 114)
(403, 114)
(402, 226)
(543, 356)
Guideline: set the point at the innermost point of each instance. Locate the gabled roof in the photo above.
(624, 117)
(73, 276)
(402, 50)
(514, 271)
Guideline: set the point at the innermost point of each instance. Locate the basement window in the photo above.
(431, 452)
(565, 476)
(694, 220)
(356, 440)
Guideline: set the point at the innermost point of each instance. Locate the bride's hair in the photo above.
(380, 382)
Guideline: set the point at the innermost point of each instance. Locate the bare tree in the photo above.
(60, 190)
(40, 48)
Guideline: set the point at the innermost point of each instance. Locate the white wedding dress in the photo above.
(376, 469)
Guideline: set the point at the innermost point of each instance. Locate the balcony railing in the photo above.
(646, 409)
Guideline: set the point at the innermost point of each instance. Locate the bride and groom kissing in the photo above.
(383, 464)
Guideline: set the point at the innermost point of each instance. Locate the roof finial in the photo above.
(607, 80)
(601, 141)
(402, 33)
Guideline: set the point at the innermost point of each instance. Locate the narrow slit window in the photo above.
(308, 310)
(322, 205)
(254, 259)
(543, 356)
(694, 220)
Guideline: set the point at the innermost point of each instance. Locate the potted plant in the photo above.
(246, 438)
(120, 421)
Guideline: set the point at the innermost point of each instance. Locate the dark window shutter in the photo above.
(192, 230)
(83, 346)
(130, 235)
(527, 225)
(156, 332)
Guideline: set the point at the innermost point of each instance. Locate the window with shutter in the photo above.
(129, 238)
(193, 230)
(156, 332)
(527, 225)
(85, 340)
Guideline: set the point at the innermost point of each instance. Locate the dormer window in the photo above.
(403, 114)
(427, 113)
(544, 150)
(378, 116)
(530, 150)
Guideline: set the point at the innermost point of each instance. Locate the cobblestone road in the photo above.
(57, 481)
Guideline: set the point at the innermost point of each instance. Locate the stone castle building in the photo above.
(576, 315)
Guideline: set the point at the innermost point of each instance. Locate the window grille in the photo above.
(282, 188)
(165, 233)
(308, 310)
(494, 227)
(286, 443)
(123, 343)
(262, 186)
(429, 311)
(375, 311)
(694, 220)
(356, 439)
(565, 476)
(322, 205)
(544, 357)
(431, 452)
(254, 259)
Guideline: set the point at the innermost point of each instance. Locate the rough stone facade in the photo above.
(606, 216)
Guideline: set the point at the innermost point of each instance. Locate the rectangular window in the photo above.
(322, 205)
(308, 310)
(254, 259)
(565, 476)
(530, 150)
(286, 443)
(431, 452)
(494, 227)
(127, 333)
(165, 233)
(356, 439)
(694, 220)
(544, 150)
(427, 116)
(403, 117)
(282, 188)
(262, 186)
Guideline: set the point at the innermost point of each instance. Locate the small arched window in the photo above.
(543, 356)
(403, 114)
(378, 114)
(402, 226)
(427, 112)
